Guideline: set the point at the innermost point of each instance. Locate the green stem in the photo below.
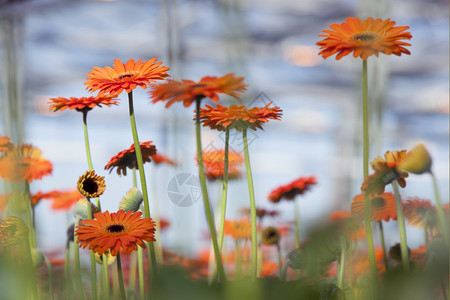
(132, 272)
(206, 203)
(32, 232)
(67, 283)
(93, 263)
(280, 260)
(401, 227)
(297, 230)
(50, 277)
(141, 272)
(105, 275)
(251, 192)
(78, 280)
(119, 272)
(383, 245)
(341, 266)
(237, 259)
(137, 148)
(365, 106)
(441, 215)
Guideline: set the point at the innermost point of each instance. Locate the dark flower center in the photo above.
(115, 228)
(124, 76)
(378, 202)
(365, 37)
(90, 186)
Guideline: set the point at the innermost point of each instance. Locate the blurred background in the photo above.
(48, 47)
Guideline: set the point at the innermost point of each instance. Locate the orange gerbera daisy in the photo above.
(24, 162)
(382, 207)
(420, 213)
(4, 143)
(82, 104)
(125, 76)
(65, 200)
(291, 190)
(188, 91)
(364, 38)
(91, 185)
(115, 232)
(214, 162)
(238, 117)
(385, 172)
(161, 159)
(127, 158)
(240, 229)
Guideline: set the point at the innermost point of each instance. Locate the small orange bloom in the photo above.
(364, 38)
(188, 91)
(126, 77)
(24, 162)
(238, 230)
(238, 117)
(161, 159)
(382, 207)
(385, 172)
(82, 104)
(4, 143)
(115, 232)
(91, 185)
(214, 162)
(127, 158)
(291, 190)
(420, 213)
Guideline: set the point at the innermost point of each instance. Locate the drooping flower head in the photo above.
(91, 185)
(127, 158)
(416, 161)
(238, 117)
(126, 76)
(382, 207)
(24, 162)
(115, 232)
(188, 91)
(214, 162)
(364, 38)
(291, 190)
(13, 230)
(239, 229)
(82, 104)
(420, 213)
(385, 172)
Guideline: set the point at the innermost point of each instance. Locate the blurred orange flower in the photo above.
(214, 162)
(38, 196)
(83, 103)
(364, 38)
(385, 172)
(291, 190)
(240, 229)
(63, 200)
(24, 162)
(382, 207)
(260, 212)
(238, 117)
(125, 76)
(188, 91)
(127, 158)
(115, 232)
(348, 224)
(420, 213)
(4, 143)
(161, 159)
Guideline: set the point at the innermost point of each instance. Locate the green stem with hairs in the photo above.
(88, 150)
(383, 245)
(341, 267)
(251, 193)
(280, 259)
(93, 263)
(297, 230)
(79, 283)
(401, 227)
(137, 147)
(119, 272)
(140, 253)
(368, 225)
(50, 277)
(28, 209)
(441, 215)
(206, 203)
(105, 276)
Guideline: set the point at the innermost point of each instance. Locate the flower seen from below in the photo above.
(214, 162)
(382, 207)
(291, 190)
(238, 230)
(127, 158)
(420, 213)
(349, 224)
(188, 91)
(126, 76)
(270, 236)
(91, 185)
(385, 172)
(115, 232)
(364, 38)
(416, 161)
(82, 104)
(238, 117)
(13, 230)
(24, 163)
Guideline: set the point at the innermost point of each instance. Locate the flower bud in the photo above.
(416, 161)
(132, 200)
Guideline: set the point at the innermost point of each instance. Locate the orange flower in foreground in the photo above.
(125, 76)
(24, 162)
(162, 159)
(238, 117)
(116, 232)
(385, 172)
(214, 162)
(127, 158)
(364, 38)
(420, 213)
(4, 143)
(291, 190)
(188, 91)
(82, 104)
(240, 229)
(382, 207)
